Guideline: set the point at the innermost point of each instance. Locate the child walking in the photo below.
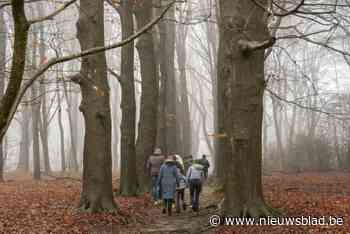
(180, 192)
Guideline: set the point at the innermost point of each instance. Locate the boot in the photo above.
(164, 206)
(170, 206)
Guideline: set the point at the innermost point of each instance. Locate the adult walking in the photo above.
(154, 163)
(195, 177)
(167, 180)
(205, 163)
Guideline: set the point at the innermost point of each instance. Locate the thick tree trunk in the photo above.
(168, 85)
(2, 78)
(128, 183)
(97, 195)
(147, 133)
(241, 74)
(21, 27)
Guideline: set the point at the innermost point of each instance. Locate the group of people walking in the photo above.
(169, 180)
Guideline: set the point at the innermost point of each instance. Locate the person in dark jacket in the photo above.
(168, 179)
(205, 163)
(154, 163)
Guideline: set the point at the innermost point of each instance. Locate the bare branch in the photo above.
(295, 10)
(249, 46)
(67, 58)
(53, 14)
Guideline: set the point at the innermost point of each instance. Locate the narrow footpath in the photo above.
(186, 222)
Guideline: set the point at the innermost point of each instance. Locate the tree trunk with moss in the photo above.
(97, 194)
(241, 77)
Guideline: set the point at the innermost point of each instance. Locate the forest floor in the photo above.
(49, 206)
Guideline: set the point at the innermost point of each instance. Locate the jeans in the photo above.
(195, 190)
(155, 188)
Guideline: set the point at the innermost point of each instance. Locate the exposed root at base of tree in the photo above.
(97, 206)
(260, 209)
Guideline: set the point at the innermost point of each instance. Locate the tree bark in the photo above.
(241, 78)
(185, 119)
(128, 183)
(35, 108)
(97, 195)
(21, 27)
(277, 119)
(116, 127)
(168, 84)
(61, 128)
(3, 41)
(147, 127)
(73, 125)
(43, 107)
(23, 162)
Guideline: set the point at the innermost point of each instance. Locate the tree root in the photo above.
(97, 206)
(259, 210)
(253, 210)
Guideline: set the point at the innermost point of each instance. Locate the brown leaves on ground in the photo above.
(49, 206)
(309, 194)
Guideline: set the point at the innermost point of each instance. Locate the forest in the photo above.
(234, 114)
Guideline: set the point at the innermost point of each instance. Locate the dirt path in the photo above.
(184, 222)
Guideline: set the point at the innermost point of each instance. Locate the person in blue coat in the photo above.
(168, 179)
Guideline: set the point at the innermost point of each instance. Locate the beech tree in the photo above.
(241, 86)
(3, 41)
(168, 132)
(147, 127)
(97, 194)
(128, 184)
